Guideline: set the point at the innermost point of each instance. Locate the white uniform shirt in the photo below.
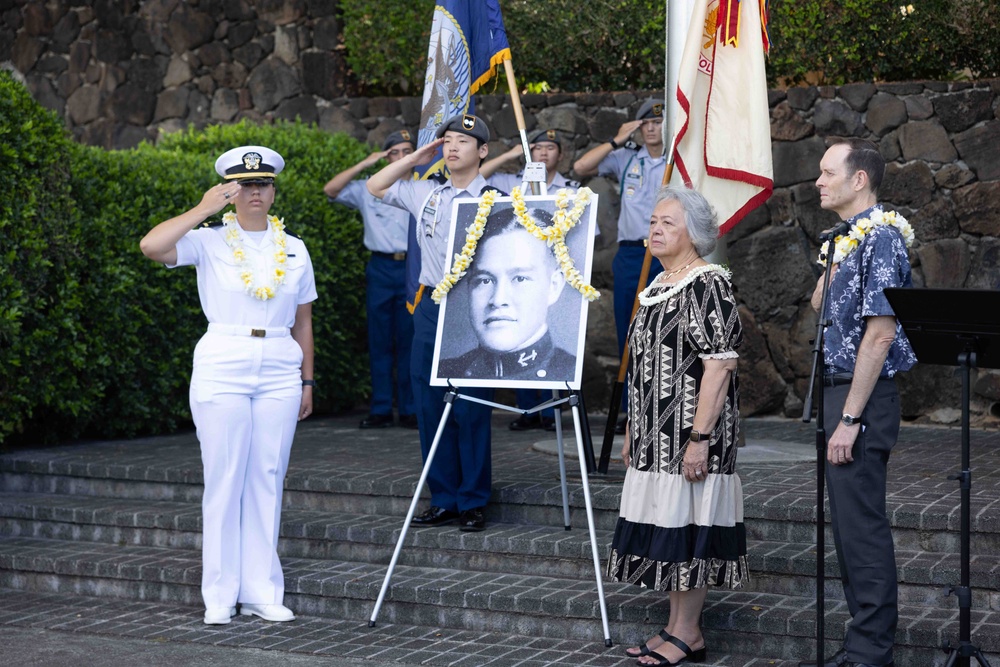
(640, 177)
(430, 203)
(221, 290)
(385, 226)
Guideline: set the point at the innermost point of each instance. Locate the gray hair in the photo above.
(699, 217)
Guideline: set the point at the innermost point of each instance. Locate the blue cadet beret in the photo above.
(650, 109)
(546, 135)
(399, 137)
(250, 164)
(466, 124)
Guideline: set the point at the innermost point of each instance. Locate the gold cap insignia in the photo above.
(468, 122)
(252, 161)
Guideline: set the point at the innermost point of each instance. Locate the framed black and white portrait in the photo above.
(517, 317)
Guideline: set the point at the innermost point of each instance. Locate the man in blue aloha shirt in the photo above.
(864, 348)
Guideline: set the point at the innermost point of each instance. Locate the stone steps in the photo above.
(386, 644)
(121, 522)
(556, 608)
(778, 567)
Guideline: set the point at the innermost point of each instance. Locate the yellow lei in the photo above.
(846, 244)
(258, 289)
(553, 235)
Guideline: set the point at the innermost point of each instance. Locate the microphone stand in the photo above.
(819, 372)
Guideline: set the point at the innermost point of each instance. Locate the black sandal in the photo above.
(645, 650)
(689, 655)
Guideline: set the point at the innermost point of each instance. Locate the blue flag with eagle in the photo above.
(467, 41)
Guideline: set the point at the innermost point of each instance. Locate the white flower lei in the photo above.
(262, 290)
(846, 244)
(646, 300)
(554, 236)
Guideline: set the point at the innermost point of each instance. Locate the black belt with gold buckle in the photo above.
(395, 256)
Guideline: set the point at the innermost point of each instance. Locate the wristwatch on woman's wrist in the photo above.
(696, 436)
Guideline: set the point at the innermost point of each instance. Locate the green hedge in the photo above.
(95, 339)
(618, 44)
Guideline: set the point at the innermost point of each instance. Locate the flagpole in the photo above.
(515, 101)
(678, 16)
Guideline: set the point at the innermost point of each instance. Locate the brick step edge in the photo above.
(183, 520)
(385, 643)
(395, 486)
(434, 596)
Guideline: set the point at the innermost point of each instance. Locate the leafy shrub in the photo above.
(574, 46)
(619, 44)
(868, 40)
(95, 339)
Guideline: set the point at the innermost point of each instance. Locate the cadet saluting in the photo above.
(252, 378)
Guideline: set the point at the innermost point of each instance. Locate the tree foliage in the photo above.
(618, 44)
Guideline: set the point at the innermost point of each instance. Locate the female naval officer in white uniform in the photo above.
(252, 378)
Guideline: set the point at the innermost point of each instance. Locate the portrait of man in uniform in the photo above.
(512, 320)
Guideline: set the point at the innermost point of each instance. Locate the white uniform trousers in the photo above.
(245, 397)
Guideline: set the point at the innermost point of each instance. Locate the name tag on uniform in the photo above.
(633, 180)
(429, 216)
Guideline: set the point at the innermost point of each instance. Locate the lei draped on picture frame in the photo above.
(845, 244)
(259, 288)
(553, 235)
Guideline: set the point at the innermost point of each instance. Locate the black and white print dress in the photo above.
(675, 535)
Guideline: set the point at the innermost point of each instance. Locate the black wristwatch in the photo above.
(698, 436)
(614, 144)
(309, 383)
(849, 420)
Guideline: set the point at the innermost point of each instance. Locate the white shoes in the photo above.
(219, 615)
(269, 612)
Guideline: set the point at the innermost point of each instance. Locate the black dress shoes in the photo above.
(838, 659)
(472, 521)
(408, 421)
(376, 421)
(435, 516)
(525, 423)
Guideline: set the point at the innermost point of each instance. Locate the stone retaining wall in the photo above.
(123, 72)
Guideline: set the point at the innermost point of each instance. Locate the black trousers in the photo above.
(861, 530)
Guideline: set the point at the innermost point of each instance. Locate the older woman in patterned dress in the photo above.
(680, 528)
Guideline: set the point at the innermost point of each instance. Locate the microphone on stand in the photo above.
(834, 232)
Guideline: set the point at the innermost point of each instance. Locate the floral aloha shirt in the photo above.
(880, 261)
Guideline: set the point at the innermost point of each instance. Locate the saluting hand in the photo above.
(374, 158)
(626, 130)
(219, 196)
(425, 153)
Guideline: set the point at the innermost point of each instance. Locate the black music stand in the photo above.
(955, 327)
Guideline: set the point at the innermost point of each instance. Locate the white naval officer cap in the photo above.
(250, 164)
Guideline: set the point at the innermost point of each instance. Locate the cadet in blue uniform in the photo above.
(252, 378)
(546, 147)
(390, 326)
(461, 475)
(639, 174)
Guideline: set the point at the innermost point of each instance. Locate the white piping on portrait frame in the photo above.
(512, 320)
